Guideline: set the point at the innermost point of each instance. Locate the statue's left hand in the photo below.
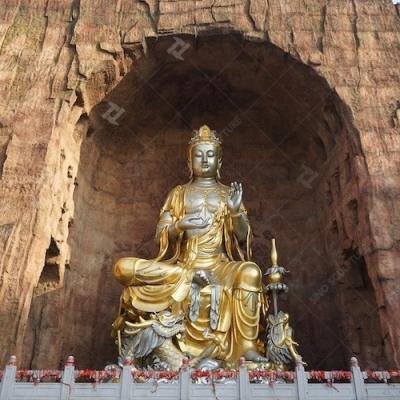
(235, 197)
(201, 278)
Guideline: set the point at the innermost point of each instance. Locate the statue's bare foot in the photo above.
(252, 355)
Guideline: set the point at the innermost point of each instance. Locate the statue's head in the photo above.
(205, 154)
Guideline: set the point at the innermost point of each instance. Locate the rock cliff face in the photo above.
(98, 100)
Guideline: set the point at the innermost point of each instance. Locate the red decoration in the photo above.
(70, 362)
(37, 376)
(272, 376)
(95, 377)
(329, 376)
(215, 374)
(143, 376)
(380, 376)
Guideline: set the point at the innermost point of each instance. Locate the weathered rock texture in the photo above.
(98, 100)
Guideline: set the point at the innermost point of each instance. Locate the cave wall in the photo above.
(59, 59)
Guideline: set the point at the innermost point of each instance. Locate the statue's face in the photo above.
(205, 160)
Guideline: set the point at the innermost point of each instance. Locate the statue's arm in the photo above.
(166, 220)
(238, 213)
(241, 225)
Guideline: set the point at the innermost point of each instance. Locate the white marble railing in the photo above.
(183, 387)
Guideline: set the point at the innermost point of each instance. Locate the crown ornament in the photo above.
(205, 135)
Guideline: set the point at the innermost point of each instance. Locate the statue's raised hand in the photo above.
(190, 222)
(235, 197)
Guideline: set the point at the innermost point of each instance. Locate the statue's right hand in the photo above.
(189, 222)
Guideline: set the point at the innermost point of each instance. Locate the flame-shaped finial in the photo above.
(274, 254)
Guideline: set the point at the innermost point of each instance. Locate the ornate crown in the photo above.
(205, 135)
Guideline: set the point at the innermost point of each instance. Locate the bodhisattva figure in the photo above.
(204, 302)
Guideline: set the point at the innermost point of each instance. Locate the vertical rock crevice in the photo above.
(50, 276)
(322, 27)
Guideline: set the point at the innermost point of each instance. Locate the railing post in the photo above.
(358, 380)
(126, 380)
(184, 380)
(67, 379)
(301, 380)
(7, 385)
(243, 380)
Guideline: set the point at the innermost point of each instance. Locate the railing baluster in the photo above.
(358, 380)
(244, 382)
(185, 380)
(67, 379)
(126, 388)
(126, 380)
(8, 382)
(301, 380)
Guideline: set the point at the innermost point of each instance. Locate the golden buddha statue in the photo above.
(206, 300)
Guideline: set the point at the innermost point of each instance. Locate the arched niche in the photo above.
(287, 137)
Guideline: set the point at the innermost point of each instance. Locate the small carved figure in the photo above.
(149, 342)
(281, 349)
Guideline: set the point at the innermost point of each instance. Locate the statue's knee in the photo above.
(124, 271)
(249, 277)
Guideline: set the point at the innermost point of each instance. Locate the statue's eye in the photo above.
(198, 154)
(210, 153)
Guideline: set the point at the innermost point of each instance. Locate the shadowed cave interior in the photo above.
(286, 136)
